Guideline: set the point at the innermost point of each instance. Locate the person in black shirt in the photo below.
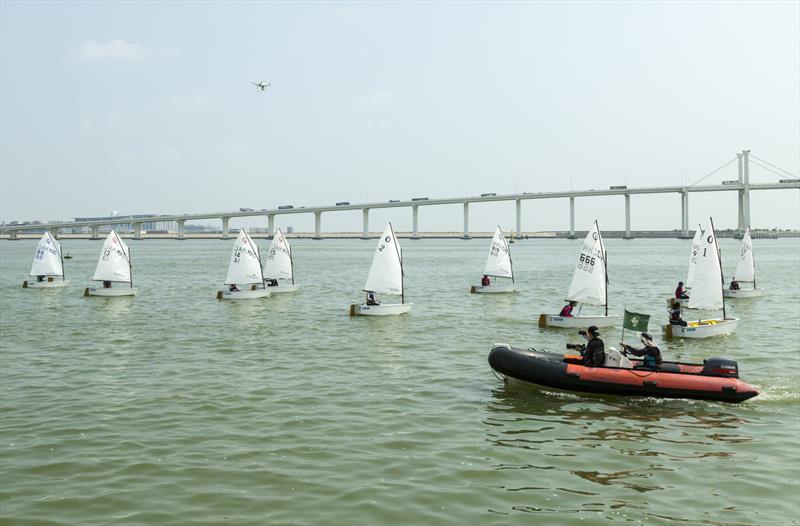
(594, 353)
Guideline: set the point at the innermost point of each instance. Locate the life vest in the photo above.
(566, 311)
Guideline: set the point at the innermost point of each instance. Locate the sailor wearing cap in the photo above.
(594, 355)
(651, 355)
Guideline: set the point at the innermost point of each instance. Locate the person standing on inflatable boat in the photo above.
(594, 353)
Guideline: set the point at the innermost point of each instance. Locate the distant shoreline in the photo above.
(608, 234)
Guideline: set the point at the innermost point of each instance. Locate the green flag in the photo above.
(635, 322)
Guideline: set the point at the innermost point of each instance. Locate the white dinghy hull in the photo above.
(741, 293)
(702, 329)
(385, 309)
(243, 294)
(573, 322)
(279, 289)
(49, 284)
(110, 293)
(492, 289)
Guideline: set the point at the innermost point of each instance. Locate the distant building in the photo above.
(290, 230)
(154, 225)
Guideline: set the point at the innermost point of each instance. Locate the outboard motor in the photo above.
(724, 367)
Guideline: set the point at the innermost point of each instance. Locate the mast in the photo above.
(605, 261)
(130, 264)
(64, 273)
(291, 260)
(402, 281)
(753, 256)
(258, 255)
(719, 262)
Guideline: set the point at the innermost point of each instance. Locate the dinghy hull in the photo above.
(574, 322)
(491, 289)
(676, 380)
(741, 293)
(702, 328)
(384, 309)
(280, 289)
(49, 284)
(243, 294)
(110, 293)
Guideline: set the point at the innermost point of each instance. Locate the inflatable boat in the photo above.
(714, 379)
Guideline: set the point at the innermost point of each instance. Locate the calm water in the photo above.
(174, 408)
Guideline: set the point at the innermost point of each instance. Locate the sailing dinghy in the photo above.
(279, 267)
(385, 277)
(114, 266)
(706, 293)
(745, 271)
(589, 286)
(244, 270)
(498, 265)
(48, 265)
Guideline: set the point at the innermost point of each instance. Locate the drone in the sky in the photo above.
(261, 85)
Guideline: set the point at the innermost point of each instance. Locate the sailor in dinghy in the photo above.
(113, 266)
(244, 269)
(745, 272)
(279, 266)
(498, 265)
(685, 288)
(47, 266)
(385, 277)
(706, 293)
(589, 286)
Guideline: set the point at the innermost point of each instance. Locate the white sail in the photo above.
(114, 263)
(746, 267)
(279, 260)
(245, 264)
(498, 263)
(698, 236)
(589, 279)
(707, 279)
(386, 273)
(47, 261)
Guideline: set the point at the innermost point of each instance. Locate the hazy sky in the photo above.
(147, 107)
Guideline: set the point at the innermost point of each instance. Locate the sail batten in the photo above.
(707, 277)
(278, 264)
(589, 279)
(245, 263)
(498, 262)
(47, 260)
(745, 267)
(114, 263)
(386, 272)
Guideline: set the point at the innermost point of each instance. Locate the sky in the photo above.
(147, 107)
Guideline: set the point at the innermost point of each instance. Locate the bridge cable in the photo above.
(715, 171)
(771, 170)
(787, 172)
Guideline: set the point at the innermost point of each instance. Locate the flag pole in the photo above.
(624, 315)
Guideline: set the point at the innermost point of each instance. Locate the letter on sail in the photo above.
(47, 261)
(385, 274)
(589, 279)
(114, 263)
(707, 279)
(498, 263)
(245, 264)
(746, 267)
(279, 259)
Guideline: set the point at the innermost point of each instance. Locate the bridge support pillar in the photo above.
(519, 217)
(466, 221)
(627, 216)
(137, 231)
(415, 222)
(572, 217)
(271, 226)
(181, 229)
(225, 227)
(365, 229)
(95, 232)
(684, 214)
(744, 195)
(12, 235)
(740, 226)
(317, 225)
